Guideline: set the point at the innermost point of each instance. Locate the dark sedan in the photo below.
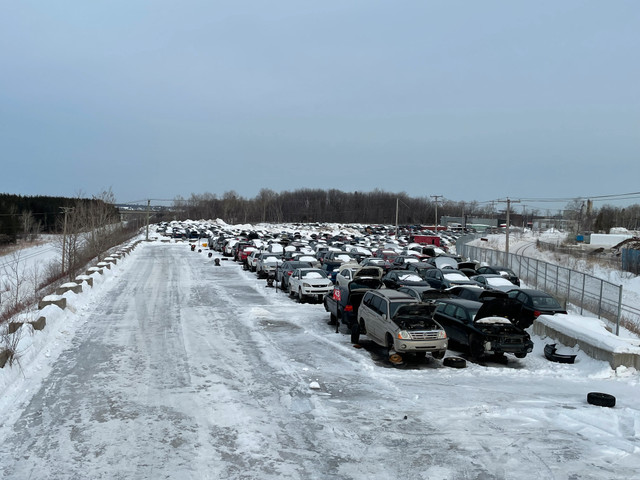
(506, 272)
(443, 278)
(400, 278)
(534, 303)
(483, 328)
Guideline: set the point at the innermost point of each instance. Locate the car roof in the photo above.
(393, 294)
(462, 302)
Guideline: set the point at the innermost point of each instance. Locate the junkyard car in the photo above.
(309, 283)
(483, 328)
(399, 322)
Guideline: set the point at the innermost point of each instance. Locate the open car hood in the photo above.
(416, 316)
(499, 307)
(366, 283)
(368, 272)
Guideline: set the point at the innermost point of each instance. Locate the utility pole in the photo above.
(509, 202)
(66, 211)
(436, 201)
(148, 204)
(397, 200)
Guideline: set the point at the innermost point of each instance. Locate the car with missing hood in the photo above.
(402, 324)
(483, 327)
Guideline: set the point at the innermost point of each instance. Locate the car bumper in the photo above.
(415, 346)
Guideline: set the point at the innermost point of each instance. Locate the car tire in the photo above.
(475, 347)
(454, 362)
(355, 333)
(439, 355)
(601, 399)
(300, 297)
(389, 342)
(520, 355)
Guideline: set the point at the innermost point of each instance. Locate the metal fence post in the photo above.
(584, 278)
(619, 311)
(600, 302)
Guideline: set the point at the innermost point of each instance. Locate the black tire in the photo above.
(439, 355)
(476, 348)
(521, 355)
(362, 327)
(601, 399)
(300, 297)
(454, 362)
(355, 333)
(389, 342)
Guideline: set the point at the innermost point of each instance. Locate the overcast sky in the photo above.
(472, 100)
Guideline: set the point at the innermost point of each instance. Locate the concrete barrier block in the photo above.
(91, 270)
(13, 327)
(88, 279)
(69, 287)
(53, 300)
(104, 265)
(39, 324)
(597, 350)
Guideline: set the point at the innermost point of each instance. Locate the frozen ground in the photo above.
(171, 367)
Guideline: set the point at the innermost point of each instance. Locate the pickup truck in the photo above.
(343, 303)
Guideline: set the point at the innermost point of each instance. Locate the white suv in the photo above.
(308, 283)
(399, 322)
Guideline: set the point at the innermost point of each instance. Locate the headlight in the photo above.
(306, 285)
(404, 335)
(442, 334)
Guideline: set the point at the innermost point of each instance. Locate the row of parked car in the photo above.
(398, 296)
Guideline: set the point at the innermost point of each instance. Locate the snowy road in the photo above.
(184, 370)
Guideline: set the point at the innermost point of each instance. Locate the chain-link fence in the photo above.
(584, 292)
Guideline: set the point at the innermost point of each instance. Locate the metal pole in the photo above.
(584, 278)
(619, 311)
(600, 302)
(148, 204)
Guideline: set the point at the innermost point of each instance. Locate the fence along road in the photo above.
(585, 292)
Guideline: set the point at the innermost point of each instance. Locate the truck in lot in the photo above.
(426, 239)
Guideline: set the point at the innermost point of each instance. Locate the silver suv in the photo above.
(399, 322)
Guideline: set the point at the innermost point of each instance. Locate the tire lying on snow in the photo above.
(454, 362)
(601, 399)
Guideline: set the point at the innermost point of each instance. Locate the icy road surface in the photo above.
(184, 370)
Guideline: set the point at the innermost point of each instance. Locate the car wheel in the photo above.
(300, 297)
(355, 333)
(389, 341)
(289, 291)
(476, 349)
(362, 327)
(454, 362)
(520, 355)
(439, 355)
(601, 399)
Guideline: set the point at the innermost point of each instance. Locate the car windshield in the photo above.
(394, 306)
(344, 258)
(498, 281)
(545, 302)
(409, 277)
(317, 273)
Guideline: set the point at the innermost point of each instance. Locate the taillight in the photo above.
(348, 308)
(536, 313)
(289, 273)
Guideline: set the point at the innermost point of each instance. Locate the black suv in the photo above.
(483, 328)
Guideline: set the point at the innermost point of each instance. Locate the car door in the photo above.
(379, 319)
(461, 326)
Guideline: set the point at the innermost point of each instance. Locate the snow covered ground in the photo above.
(171, 367)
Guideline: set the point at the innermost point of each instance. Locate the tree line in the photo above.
(379, 207)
